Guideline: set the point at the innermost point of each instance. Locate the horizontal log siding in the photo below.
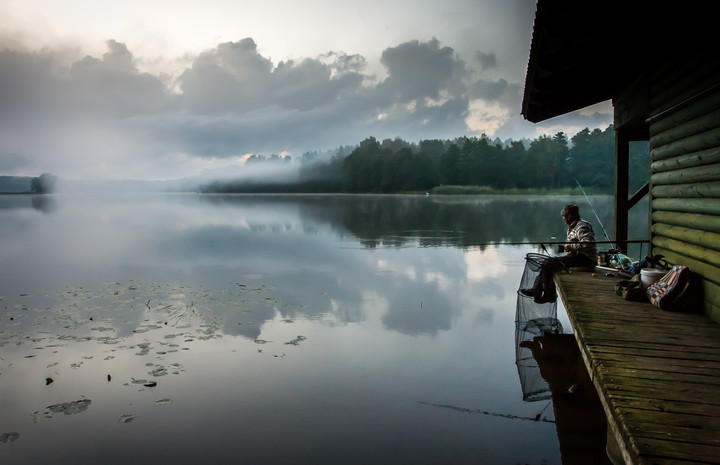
(703, 206)
(706, 173)
(685, 186)
(698, 238)
(703, 157)
(688, 220)
(688, 191)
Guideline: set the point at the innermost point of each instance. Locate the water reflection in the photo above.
(430, 221)
(328, 324)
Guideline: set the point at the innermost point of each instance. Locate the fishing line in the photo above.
(593, 209)
(510, 416)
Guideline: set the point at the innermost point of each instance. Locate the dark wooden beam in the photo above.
(639, 194)
(622, 206)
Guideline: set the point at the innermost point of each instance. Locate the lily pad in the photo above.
(70, 408)
(9, 437)
(296, 341)
(159, 371)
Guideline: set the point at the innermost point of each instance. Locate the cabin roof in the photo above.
(584, 53)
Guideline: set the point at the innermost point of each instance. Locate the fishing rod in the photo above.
(593, 209)
(541, 243)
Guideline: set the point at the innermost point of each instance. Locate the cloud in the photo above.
(486, 60)
(100, 116)
(113, 86)
(500, 91)
(230, 78)
(342, 62)
(419, 70)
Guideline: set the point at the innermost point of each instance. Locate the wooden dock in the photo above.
(657, 373)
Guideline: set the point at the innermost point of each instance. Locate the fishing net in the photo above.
(533, 319)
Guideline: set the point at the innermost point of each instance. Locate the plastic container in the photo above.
(650, 276)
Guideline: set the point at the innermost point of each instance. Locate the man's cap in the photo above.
(570, 210)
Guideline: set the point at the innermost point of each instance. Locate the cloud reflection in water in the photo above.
(264, 321)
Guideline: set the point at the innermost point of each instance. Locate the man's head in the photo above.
(570, 213)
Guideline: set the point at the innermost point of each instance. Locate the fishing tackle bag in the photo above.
(630, 289)
(676, 291)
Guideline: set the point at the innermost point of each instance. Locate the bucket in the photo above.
(650, 276)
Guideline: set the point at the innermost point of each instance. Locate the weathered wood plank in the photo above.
(683, 427)
(608, 351)
(660, 364)
(623, 331)
(666, 390)
(666, 461)
(689, 408)
(638, 373)
(657, 373)
(650, 449)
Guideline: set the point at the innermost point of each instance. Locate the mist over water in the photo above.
(269, 328)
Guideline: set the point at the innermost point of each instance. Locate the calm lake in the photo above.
(183, 328)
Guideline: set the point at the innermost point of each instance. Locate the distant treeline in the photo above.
(546, 163)
(43, 184)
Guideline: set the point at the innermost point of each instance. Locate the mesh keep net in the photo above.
(532, 320)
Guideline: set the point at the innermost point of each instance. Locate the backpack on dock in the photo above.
(677, 291)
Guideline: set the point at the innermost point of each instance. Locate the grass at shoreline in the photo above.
(485, 190)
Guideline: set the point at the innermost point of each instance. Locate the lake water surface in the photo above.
(269, 329)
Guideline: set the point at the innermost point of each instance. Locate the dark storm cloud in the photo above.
(500, 91)
(231, 100)
(420, 70)
(233, 77)
(308, 84)
(26, 82)
(486, 60)
(113, 85)
(237, 102)
(41, 85)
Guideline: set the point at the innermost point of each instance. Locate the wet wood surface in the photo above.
(657, 373)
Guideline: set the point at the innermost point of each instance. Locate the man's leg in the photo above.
(552, 266)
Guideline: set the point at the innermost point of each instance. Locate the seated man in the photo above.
(581, 252)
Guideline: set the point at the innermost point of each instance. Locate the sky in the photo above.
(164, 89)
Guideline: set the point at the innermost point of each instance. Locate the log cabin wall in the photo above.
(685, 170)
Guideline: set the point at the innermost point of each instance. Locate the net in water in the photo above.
(532, 320)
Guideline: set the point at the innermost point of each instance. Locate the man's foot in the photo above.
(545, 299)
(530, 292)
(531, 345)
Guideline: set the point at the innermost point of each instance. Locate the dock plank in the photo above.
(657, 373)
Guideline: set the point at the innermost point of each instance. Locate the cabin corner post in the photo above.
(622, 166)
